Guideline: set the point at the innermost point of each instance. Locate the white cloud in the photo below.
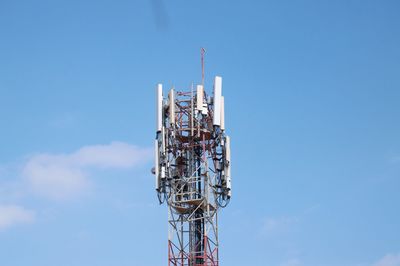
(389, 260)
(115, 155)
(53, 177)
(13, 214)
(64, 176)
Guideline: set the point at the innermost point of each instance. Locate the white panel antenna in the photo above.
(200, 97)
(162, 172)
(222, 113)
(228, 164)
(159, 110)
(217, 100)
(157, 165)
(171, 97)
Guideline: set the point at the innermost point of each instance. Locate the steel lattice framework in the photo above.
(192, 168)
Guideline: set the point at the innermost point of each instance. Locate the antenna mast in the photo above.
(202, 51)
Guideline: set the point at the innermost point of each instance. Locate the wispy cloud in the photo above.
(389, 260)
(291, 262)
(13, 214)
(277, 225)
(64, 176)
(63, 121)
(395, 159)
(11, 190)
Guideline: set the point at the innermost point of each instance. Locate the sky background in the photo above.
(312, 96)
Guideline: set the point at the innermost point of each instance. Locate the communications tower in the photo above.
(192, 170)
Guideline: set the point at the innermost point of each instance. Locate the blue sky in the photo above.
(312, 91)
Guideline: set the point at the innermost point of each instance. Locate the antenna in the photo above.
(202, 52)
(192, 171)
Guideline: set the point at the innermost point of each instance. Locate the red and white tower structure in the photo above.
(192, 170)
